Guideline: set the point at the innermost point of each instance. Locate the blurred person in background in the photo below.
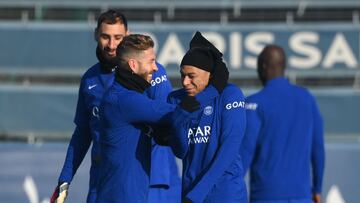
(283, 144)
(210, 145)
(165, 182)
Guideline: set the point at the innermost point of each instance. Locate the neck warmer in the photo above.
(131, 80)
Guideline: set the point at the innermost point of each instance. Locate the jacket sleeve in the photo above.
(317, 151)
(232, 128)
(79, 143)
(160, 174)
(144, 109)
(253, 126)
(160, 84)
(180, 122)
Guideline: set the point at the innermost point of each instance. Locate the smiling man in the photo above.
(209, 145)
(111, 28)
(194, 79)
(110, 33)
(125, 148)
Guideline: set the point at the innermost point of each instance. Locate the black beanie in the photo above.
(200, 41)
(201, 58)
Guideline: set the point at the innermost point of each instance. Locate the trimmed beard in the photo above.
(107, 63)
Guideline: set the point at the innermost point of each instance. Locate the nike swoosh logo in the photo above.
(92, 86)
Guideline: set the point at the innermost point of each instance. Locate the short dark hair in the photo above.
(267, 56)
(112, 17)
(132, 44)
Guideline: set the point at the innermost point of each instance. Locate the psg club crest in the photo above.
(208, 110)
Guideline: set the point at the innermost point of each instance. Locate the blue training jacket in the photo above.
(210, 147)
(92, 87)
(125, 149)
(283, 142)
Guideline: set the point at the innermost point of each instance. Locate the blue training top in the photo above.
(210, 147)
(125, 149)
(92, 87)
(283, 142)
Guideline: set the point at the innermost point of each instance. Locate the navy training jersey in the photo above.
(125, 149)
(283, 142)
(92, 87)
(209, 147)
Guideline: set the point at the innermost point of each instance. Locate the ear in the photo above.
(132, 65)
(127, 32)
(265, 69)
(264, 66)
(210, 77)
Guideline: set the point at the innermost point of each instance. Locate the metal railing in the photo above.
(224, 11)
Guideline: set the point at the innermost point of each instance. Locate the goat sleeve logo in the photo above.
(235, 104)
(251, 106)
(158, 80)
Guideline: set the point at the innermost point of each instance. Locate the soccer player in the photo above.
(125, 109)
(283, 144)
(111, 29)
(209, 145)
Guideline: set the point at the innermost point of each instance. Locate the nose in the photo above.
(112, 44)
(185, 81)
(155, 68)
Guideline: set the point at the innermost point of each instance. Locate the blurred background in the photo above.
(46, 46)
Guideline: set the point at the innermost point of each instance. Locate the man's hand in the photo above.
(219, 76)
(162, 135)
(60, 193)
(316, 198)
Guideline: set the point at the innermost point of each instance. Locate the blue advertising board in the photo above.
(307, 50)
(313, 48)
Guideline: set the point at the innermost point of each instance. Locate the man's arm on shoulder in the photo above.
(160, 174)
(139, 108)
(160, 84)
